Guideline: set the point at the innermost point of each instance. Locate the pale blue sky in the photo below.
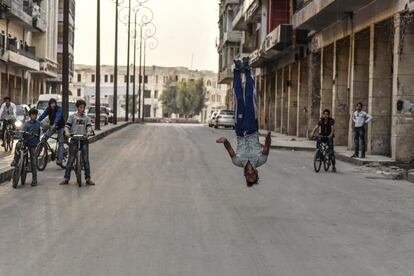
(185, 28)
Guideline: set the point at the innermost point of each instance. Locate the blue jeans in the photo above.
(245, 105)
(359, 140)
(73, 150)
(61, 141)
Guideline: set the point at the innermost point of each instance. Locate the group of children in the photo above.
(77, 124)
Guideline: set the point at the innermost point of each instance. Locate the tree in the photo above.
(184, 97)
(169, 99)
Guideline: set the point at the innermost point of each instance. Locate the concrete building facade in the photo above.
(28, 48)
(312, 55)
(155, 80)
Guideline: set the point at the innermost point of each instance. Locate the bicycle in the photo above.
(44, 148)
(23, 166)
(8, 136)
(322, 154)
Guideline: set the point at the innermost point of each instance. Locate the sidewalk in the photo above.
(285, 142)
(6, 171)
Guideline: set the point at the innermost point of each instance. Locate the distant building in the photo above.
(156, 77)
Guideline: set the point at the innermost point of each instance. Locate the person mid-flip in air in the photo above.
(250, 154)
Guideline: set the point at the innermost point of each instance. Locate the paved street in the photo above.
(168, 201)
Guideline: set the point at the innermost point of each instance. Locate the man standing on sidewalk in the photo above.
(360, 118)
(250, 154)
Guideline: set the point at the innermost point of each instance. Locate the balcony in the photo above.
(48, 69)
(21, 55)
(39, 21)
(319, 14)
(251, 10)
(229, 38)
(225, 3)
(239, 24)
(278, 40)
(225, 76)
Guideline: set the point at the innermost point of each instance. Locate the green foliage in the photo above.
(184, 97)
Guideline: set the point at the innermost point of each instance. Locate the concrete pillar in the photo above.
(284, 109)
(303, 99)
(360, 52)
(327, 76)
(279, 91)
(340, 99)
(270, 106)
(262, 101)
(293, 99)
(380, 88)
(403, 95)
(314, 85)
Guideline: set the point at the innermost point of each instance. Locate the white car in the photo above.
(224, 118)
(212, 120)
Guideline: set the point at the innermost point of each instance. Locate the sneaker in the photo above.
(363, 156)
(64, 182)
(59, 163)
(355, 155)
(90, 182)
(34, 183)
(334, 169)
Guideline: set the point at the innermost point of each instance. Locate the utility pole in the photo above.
(135, 66)
(143, 69)
(140, 74)
(98, 68)
(128, 51)
(65, 60)
(115, 101)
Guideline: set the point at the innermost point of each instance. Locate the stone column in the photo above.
(380, 88)
(293, 99)
(279, 91)
(303, 97)
(284, 111)
(327, 76)
(403, 92)
(314, 95)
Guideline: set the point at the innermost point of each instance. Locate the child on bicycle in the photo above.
(327, 130)
(30, 127)
(78, 124)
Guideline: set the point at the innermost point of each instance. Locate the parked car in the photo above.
(225, 118)
(104, 115)
(110, 115)
(212, 120)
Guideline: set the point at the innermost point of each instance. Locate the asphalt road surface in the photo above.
(168, 201)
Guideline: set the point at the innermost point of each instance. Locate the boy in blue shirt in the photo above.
(31, 126)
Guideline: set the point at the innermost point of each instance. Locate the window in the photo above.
(79, 77)
(156, 94)
(79, 92)
(125, 78)
(106, 78)
(146, 79)
(112, 78)
(156, 79)
(147, 94)
(131, 78)
(209, 83)
(93, 78)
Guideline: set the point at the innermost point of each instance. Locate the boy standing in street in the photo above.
(33, 127)
(78, 124)
(360, 118)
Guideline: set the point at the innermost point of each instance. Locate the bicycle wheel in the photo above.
(9, 141)
(79, 169)
(17, 173)
(23, 172)
(326, 162)
(6, 141)
(42, 154)
(65, 155)
(317, 161)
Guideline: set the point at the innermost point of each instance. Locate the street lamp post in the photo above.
(147, 33)
(98, 68)
(151, 47)
(65, 60)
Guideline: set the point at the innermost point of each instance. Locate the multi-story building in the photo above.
(311, 55)
(28, 48)
(155, 80)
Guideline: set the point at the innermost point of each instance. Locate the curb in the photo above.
(410, 177)
(7, 174)
(292, 148)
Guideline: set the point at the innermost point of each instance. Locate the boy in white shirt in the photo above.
(360, 118)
